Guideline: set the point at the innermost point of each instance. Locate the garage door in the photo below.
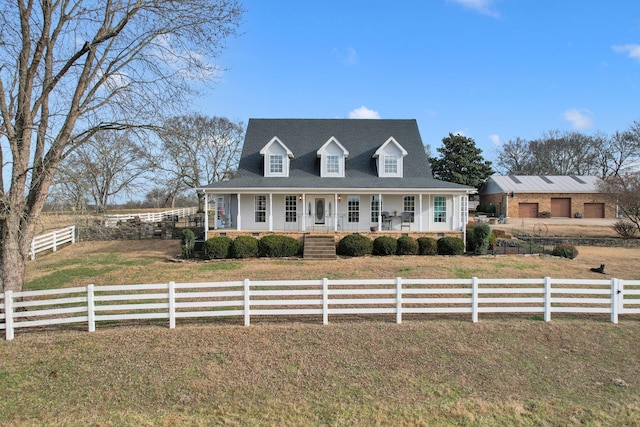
(527, 210)
(594, 210)
(560, 207)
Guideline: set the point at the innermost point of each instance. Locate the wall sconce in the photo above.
(339, 197)
(512, 194)
(300, 197)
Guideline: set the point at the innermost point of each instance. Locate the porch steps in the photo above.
(318, 247)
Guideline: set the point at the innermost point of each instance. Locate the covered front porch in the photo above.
(313, 211)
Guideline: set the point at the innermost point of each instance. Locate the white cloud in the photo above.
(347, 57)
(631, 50)
(580, 119)
(484, 7)
(495, 140)
(363, 113)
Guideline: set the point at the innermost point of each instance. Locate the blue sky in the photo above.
(492, 70)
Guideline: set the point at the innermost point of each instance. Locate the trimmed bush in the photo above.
(450, 246)
(187, 243)
(479, 239)
(565, 251)
(278, 246)
(355, 245)
(427, 246)
(385, 245)
(244, 247)
(407, 246)
(217, 247)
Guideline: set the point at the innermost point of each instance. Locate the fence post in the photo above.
(547, 299)
(325, 301)
(91, 308)
(474, 300)
(247, 303)
(615, 296)
(8, 314)
(55, 240)
(172, 305)
(398, 300)
(73, 234)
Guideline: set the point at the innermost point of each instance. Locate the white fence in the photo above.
(112, 220)
(52, 240)
(317, 298)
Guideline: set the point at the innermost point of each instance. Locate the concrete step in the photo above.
(319, 247)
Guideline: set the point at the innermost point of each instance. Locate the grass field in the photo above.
(577, 370)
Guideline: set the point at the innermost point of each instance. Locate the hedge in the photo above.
(407, 246)
(385, 245)
(244, 247)
(277, 246)
(427, 246)
(450, 246)
(355, 245)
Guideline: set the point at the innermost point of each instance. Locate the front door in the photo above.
(319, 216)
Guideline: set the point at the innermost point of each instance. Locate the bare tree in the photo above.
(198, 150)
(109, 164)
(72, 68)
(625, 191)
(515, 158)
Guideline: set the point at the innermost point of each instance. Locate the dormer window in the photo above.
(332, 158)
(391, 165)
(275, 164)
(277, 157)
(389, 159)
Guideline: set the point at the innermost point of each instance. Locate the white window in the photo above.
(290, 209)
(333, 164)
(353, 204)
(275, 164)
(390, 165)
(440, 209)
(409, 205)
(261, 209)
(375, 208)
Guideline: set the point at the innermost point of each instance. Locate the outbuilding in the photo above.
(524, 196)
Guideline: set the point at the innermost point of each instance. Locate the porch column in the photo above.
(215, 212)
(239, 218)
(335, 212)
(304, 212)
(380, 212)
(420, 214)
(270, 211)
(206, 214)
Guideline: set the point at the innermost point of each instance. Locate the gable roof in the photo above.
(541, 184)
(360, 137)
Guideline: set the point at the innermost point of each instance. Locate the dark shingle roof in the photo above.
(361, 137)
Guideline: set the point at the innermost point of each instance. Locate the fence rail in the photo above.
(112, 220)
(52, 240)
(320, 298)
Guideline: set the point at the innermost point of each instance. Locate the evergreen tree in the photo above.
(461, 162)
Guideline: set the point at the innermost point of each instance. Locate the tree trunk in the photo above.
(16, 245)
(200, 202)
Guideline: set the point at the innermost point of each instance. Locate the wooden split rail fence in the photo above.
(316, 298)
(113, 220)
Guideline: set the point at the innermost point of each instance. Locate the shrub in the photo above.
(407, 246)
(565, 251)
(277, 246)
(355, 245)
(626, 229)
(385, 245)
(488, 208)
(187, 243)
(217, 247)
(450, 246)
(427, 246)
(479, 239)
(244, 247)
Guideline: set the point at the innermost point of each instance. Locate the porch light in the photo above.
(339, 197)
(300, 197)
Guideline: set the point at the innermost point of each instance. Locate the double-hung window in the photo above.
(440, 209)
(409, 205)
(375, 208)
(261, 209)
(333, 165)
(276, 164)
(290, 209)
(353, 206)
(390, 165)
